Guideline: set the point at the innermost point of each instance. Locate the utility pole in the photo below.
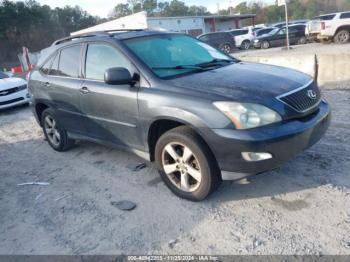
(281, 3)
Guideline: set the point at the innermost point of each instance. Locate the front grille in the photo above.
(12, 90)
(302, 99)
(11, 101)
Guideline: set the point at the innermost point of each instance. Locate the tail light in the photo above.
(323, 25)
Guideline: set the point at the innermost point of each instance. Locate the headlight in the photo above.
(256, 41)
(248, 115)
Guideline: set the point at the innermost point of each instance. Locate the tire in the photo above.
(226, 48)
(57, 138)
(302, 41)
(265, 45)
(245, 45)
(204, 177)
(342, 37)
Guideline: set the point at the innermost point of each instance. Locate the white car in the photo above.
(13, 91)
(330, 27)
(243, 37)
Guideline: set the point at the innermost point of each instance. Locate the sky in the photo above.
(103, 7)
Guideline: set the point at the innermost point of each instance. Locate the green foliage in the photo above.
(36, 26)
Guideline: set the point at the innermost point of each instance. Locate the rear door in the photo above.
(110, 111)
(62, 85)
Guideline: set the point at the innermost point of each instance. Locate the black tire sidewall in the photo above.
(63, 134)
(206, 170)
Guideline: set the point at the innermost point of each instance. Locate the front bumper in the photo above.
(257, 44)
(282, 140)
(14, 99)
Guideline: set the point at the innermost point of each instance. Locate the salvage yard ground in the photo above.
(302, 208)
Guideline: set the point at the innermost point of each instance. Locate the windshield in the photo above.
(169, 55)
(3, 75)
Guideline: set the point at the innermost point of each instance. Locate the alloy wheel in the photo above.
(181, 166)
(226, 49)
(51, 130)
(343, 37)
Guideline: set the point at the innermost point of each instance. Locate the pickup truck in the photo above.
(334, 27)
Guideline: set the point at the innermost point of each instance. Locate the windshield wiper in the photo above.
(215, 62)
(179, 67)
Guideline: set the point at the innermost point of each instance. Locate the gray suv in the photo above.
(201, 115)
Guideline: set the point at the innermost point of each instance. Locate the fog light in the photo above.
(252, 156)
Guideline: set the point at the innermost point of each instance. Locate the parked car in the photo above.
(277, 37)
(263, 31)
(293, 22)
(220, 40)
(13, 91)
(313, 27)
(201, 115)
(243, 37)
(336, 27)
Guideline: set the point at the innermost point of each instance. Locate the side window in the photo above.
(345, 15)
(100, 57)
(54, 67)
(69, 61)
(45, 69)
(244, 32)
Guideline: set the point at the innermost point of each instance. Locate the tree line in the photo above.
(27, 23)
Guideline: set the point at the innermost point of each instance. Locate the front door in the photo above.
(110, 111)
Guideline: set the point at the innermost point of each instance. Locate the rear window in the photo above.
(69, 61)
(345, 15)
(326, 17)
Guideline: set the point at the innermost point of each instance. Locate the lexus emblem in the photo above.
(312, 94)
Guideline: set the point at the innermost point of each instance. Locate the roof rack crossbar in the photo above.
(91, 34)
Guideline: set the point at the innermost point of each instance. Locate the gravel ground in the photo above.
(303, 208)
(312, 48)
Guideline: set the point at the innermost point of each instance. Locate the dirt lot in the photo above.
(303, 208)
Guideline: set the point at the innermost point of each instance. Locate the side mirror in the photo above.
(118, 76)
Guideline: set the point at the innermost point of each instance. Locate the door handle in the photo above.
(84, 90)
(47, 84)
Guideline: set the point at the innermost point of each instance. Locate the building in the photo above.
(196, 25)
(193, 25)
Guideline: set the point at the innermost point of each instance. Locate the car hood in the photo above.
(11, 82)
(243, 81)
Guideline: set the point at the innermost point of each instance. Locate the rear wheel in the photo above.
(186, 164)
(55, 134)
(302, 41)
(245, 45)
(226, 48)
(265, 45)
(342, 37)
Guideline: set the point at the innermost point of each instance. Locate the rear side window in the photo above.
(345, 15)
(69, 61)
(54, 67)
(100, 57)
(45, 69)
(327, 17)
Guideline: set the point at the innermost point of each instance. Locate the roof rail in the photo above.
(91, 34)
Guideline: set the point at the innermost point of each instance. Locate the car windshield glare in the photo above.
(171, 55)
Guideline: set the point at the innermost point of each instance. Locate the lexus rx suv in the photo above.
(199, 114)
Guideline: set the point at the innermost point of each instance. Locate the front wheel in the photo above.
(342, 37)
(265, 45)
(186, 164)
(54, 133)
